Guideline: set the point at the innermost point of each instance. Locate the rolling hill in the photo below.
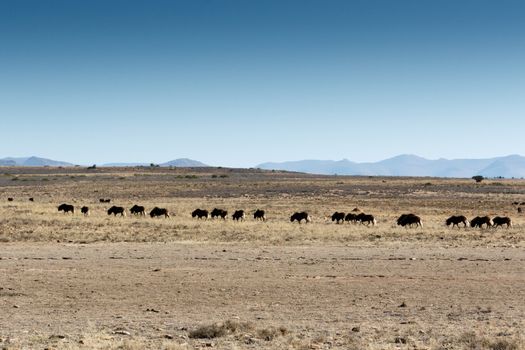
(410, 165)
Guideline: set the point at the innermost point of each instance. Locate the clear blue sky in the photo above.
(237, 82)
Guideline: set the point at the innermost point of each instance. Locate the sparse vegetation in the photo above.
(308, 286)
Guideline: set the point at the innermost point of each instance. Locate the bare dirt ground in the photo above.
(131, 283)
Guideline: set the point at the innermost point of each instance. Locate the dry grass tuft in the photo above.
(472, 341)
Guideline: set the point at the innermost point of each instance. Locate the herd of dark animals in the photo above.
(405, 220)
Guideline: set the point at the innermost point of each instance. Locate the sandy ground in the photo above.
(135, 295)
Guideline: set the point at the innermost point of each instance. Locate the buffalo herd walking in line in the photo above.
(356, 216)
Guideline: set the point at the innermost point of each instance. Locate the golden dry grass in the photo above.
(260, 285)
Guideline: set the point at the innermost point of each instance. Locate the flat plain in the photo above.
(74, 282)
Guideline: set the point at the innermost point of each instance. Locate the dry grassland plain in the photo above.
(104, 282)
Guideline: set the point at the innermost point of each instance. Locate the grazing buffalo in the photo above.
(479, 221)
(522, 203)
(351, 217)
(137, 210)
(66, 208)
(200, 213)
(219, 213)
(239, 215)
(520, 210)
(338, 217)
(117, 211)
(10, 199)
(502, 220)
(102, 200)
(515, 203)
(409, 220)
(159, 212)
(259, 215)
(85, 211)
(301, 216)
(31, 199)
(365, 218)
(455, 220)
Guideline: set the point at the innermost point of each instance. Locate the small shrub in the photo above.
(478, 178)
(208, 332)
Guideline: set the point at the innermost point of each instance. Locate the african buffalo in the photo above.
(409, 220)
(259, 215)
(31, 199)
(200, 213)
(520, 210)
(455, 220)
(239, 215)
(502, 220)
(66, 208)
(338, 217)
(219, 213)
(85, 211)
(137, 210)
(479, 221)
(301, 216)
(102, 200)
(10, 199)
(159, 212)
(117, 211)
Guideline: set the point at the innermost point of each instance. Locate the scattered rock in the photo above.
(356, 329)
(403, 304)
(400, 340)
(121, 332)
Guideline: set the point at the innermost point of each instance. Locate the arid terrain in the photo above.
(75, 282)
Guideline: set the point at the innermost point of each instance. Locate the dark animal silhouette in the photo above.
(66, 208)
(137, 210)
(366, 218)
(502, 220)
(479, 221)
(351, 217)
(455, 220)
(102, 200)
(159, 212)
(409, 220)
(515, 203)
(338, 217)
(522, 203)
(239, 215)
(85, 211)
(259, 215)
(219, 213)
(200, 213)
(10, 199)
(117, 211)
(31, 199)
(520, 210)
(301, 216)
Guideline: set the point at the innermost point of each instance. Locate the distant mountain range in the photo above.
(410, 165)
(36, 161)
(31, 161)
(403, 165)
